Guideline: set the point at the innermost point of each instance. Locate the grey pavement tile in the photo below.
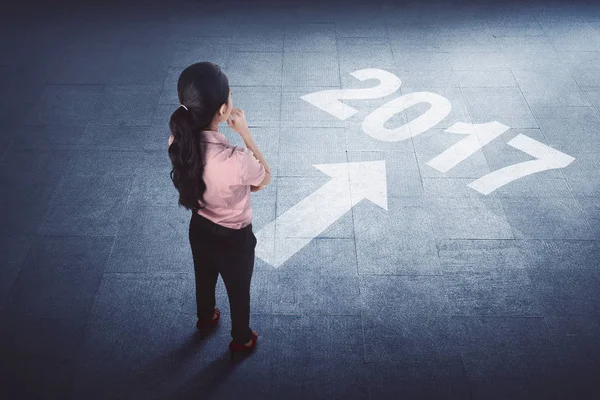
(296, 112)
(590, 205)
(304, 70)
(83, 190)
(324, 256)
(505, 105)
(469, 218)
(152, 187)
(409, 322)
(168, 94)
(531, 29)
(593, 96)
(105, 162)
(360, 28)
(88, 220)
(531, 53)
(261, 105)
(516, 351)
(98, 207)
(495, 292)
(115, 137)
(418, 378)
(586, 77)
(31, 161)
(376, 49)
(484, 78)
(561, 258)
(152, 239)
(46, 137)
(546, 218)
(440, 187)
(400, 242)
(268, 139)
(583, 167)
(398, 163)
(17, 101)
(310, 37)
(256, 36)
(480, 256)
(130, 105)
(326, 379)
(573, 37)
(314, 294)
(36, 377)
(25, 200)
(301, 164)
(442, 77)
(575, 338)
(65, 105)
(263, 207)
(15, 249)
(136, 335)
(552, 87)
(255, 69)
(21, 337)
(446, 38)
(187, 25)
(581, 59)
(142, 64)
(480, 61)
(313, 140)
(84, 67)
(156, 136)
(195, 50)
(155, 160)
(415, 61)
(59, 277)
(566, 293)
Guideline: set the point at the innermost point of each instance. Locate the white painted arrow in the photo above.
(294, 229)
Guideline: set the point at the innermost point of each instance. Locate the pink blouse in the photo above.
(229, 171)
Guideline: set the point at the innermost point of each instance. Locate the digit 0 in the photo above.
(373, 125)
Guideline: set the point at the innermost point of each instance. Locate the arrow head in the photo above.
(367, 180)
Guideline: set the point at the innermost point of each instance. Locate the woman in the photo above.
(214, 180)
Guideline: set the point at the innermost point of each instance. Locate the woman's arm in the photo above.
(237, 122)
(250, 144)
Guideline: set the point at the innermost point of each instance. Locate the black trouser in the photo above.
(229, 252)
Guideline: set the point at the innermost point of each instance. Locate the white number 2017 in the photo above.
(478, 135)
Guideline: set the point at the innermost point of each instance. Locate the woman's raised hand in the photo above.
(237, 121)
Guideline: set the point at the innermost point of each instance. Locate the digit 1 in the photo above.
(479, 136)
(546, 158)
(329, 100)
(373, 125)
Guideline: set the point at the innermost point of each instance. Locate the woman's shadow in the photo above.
(175, 381)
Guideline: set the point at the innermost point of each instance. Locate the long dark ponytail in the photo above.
(202, 88)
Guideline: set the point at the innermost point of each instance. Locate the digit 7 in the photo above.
(546, 158)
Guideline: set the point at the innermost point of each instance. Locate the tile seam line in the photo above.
(579, 206)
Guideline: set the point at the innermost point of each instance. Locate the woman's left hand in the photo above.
(256, 188)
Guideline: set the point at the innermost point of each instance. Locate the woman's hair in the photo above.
(202, 88)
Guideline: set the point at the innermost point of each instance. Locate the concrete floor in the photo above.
(450, 293)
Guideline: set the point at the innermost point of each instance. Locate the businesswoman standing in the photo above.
(214, 180)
